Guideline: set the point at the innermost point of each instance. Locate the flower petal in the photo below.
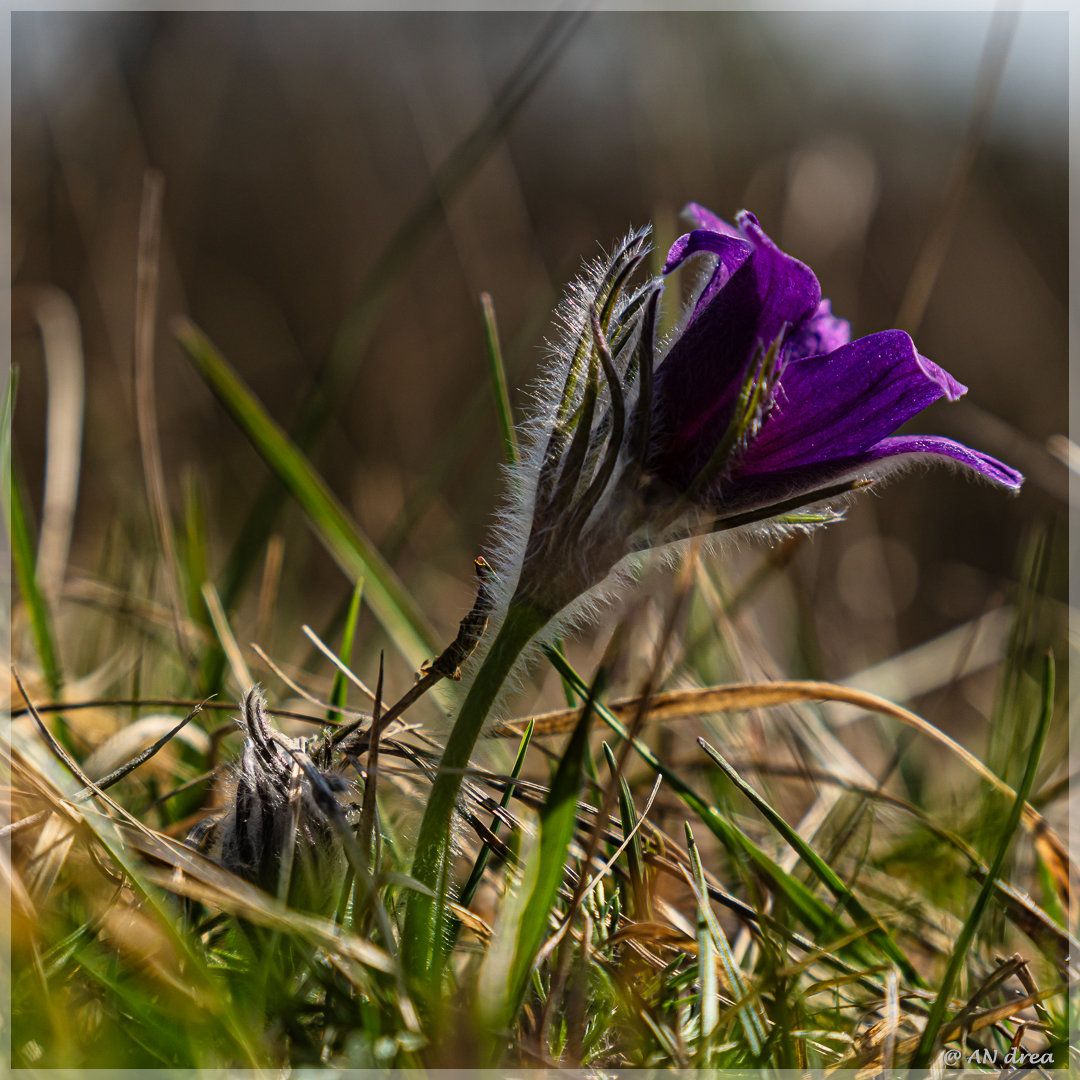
(824, 333)
(700, 217)
(732, 250)
(840, 404)
(759, 491)
(989, 468)
(767, 295)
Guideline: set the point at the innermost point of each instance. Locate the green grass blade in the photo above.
(340, 689)
(815, 915)
(708, 983)
(22, 548)
(497, 371)
(846, 899)
(641, 906)
(558, 819)
(959, 956)
(460, 439)
(476, 875)
(193, 553)
(751, 1013)
(343, 539)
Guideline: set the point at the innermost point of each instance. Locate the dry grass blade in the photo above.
(892, 1019)
(146, 296)
(737, 697)
(58, 321)
(337, 662)
(15, 889)
(271, 582)
(113, 777)
(296, 688)
(241, 672)
(658, 935)
(47, 858)
(152, 702)
(969, 1025)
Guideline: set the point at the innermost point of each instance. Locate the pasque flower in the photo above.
(759, 409)
(828, 406)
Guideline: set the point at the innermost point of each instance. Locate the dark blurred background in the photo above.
(294, 146)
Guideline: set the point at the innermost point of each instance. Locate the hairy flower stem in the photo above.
(425, 936)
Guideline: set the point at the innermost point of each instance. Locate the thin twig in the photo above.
(114, 777)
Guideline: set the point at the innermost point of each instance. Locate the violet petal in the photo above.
(824, 333)
(700, 217)
(767, 296)
(748, 491)
(840, 404)
(986, 466)
(732, 251)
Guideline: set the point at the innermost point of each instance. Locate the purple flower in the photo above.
(763, 408)
(766, 373)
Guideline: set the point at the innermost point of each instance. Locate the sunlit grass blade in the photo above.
(708, 983)
(339, 690)
(751, 1013)
(927, 1047)
(678, 704)
(226, 638)
(22, 549)
(351, 549)
(846, 899)
(497, 371)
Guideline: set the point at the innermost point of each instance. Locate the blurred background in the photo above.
(295, 148)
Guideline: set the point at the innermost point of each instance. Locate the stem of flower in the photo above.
(425, 934)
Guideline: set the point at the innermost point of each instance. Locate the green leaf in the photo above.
(708, 984)
(476, 875)
(341, 536)
(641, 909)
